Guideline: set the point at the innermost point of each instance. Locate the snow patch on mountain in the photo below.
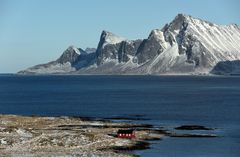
(111, 38)
(75, 49)
(52, 68)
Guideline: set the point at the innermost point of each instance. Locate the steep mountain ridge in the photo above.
(187, 45)
(113, 47)
(191, 45)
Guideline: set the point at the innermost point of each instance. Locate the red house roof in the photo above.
(126, 133)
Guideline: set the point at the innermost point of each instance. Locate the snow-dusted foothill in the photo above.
(227, 68)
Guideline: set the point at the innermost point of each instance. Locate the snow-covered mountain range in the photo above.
(187, 45)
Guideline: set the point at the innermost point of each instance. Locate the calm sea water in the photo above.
(167, 101)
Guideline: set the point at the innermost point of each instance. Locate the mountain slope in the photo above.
(187, 45)
(195, 46)
(64, 64)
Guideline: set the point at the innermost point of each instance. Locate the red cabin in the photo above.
(126, 133)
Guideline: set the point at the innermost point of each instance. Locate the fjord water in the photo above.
(164, 101)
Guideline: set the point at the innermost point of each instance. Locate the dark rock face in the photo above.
(149, 49)
(128, 48)
(84, 60)
(105, 52)
(118, 51)
(193, 49)
(77, 57)
(69, 55)
(109, 51)
(178, 23)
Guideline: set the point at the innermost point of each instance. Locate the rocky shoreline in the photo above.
(75, 136)
(68, 136)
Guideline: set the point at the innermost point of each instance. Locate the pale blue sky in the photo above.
(38, 31)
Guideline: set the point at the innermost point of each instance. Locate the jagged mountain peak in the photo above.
(70, 54)
(110, 38)
(181, 18)
(72, 50)
(105, 33)
(179, 21)
(157, 34)
(182, 21)
(107, 38)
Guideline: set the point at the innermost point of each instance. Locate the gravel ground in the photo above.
(64, 136)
